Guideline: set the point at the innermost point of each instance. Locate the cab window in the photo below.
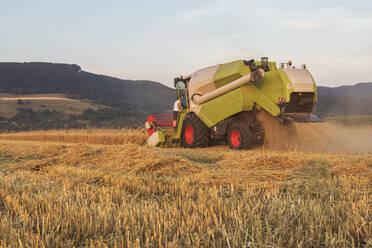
(182, 93)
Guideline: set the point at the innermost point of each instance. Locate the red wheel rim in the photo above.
(189, 134)
(235, 138)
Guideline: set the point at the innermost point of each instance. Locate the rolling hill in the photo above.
(47, 78)
(10, 103)
(345, 100)
(121, 102)
(363, 90)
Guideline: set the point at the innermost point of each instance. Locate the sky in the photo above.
(159, 40)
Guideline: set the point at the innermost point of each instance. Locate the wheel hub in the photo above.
(189, 134)
(235, 138)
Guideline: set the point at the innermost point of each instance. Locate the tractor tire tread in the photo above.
(248, 138)
(202, 135)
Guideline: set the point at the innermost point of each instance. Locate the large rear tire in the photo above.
(240, 136)
(194, 132)
(258, 133)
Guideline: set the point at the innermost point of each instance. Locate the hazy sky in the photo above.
(160, 39)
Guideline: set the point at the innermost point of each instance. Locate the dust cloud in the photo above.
(314, 136)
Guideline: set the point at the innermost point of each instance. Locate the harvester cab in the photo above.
(221, 102)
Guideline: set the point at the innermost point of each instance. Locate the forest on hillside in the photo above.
(128, 102)
(37, 77)
(29, 119)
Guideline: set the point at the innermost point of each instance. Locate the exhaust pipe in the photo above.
(253, 77)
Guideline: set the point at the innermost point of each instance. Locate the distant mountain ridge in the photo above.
(356, 90)
(40, 77)
(345, 100)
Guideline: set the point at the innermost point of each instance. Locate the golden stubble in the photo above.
(88, 192)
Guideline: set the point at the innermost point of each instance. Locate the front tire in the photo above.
(240, 136)
(194, 132)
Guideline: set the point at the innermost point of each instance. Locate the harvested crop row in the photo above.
(88, 136)
(133, 196)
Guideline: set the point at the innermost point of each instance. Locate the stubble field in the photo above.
(104, 188)
(59, 102)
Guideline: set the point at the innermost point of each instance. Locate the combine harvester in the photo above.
(222, 102)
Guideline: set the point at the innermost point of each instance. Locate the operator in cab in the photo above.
(177, 107)
(176, 110)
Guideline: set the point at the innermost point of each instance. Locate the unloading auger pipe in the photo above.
(253, 77)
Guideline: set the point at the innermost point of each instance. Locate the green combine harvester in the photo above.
(221, 102)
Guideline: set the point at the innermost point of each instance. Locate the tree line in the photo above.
(28, 119)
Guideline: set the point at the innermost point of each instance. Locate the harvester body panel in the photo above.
(241, 99)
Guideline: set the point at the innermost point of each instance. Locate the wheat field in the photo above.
(9, 103)
(104, 188)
